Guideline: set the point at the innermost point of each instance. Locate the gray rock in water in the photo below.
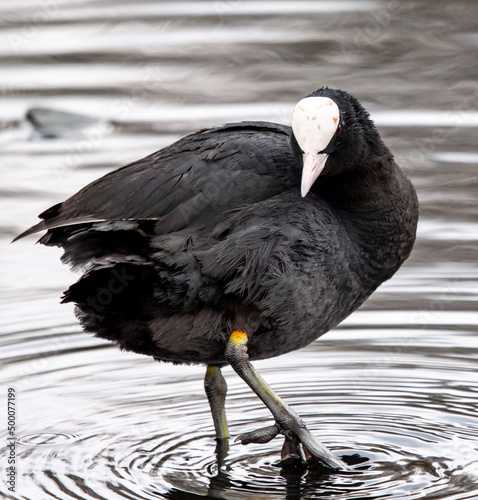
(55, 123)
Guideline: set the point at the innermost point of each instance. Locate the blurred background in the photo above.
(88, 86)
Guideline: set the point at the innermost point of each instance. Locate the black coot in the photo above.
(240, 242)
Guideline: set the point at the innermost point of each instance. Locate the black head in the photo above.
(332, 134)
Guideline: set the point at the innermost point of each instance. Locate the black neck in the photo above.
(378, 204)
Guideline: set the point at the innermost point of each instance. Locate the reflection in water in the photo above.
(392, 391)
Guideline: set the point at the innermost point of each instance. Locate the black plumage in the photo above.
(211, 235)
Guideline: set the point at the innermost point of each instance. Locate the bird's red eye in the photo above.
(339, 129)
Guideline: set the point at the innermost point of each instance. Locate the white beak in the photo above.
(314, 123)
(313, 166)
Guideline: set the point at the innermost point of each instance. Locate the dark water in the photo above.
(394, 388)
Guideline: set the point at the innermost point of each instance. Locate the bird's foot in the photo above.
(311, 451)
(293, 452)
(260, 436)
(300, 447)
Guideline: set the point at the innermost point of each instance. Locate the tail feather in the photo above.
(114, 289)
(85, 247)
(41, 226)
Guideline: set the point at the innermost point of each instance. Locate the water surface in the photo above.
(393, 390)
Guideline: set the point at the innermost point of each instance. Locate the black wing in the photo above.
(192, 180)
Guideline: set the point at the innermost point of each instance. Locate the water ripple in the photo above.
(146, 429)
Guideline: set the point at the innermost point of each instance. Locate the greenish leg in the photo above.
(288, 422)
(216, 389)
